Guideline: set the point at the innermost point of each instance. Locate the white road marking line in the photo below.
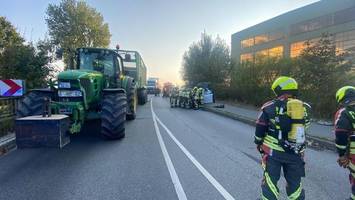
(208, 176)
(174, 177)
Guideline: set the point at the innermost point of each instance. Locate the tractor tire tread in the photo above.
(113, 116)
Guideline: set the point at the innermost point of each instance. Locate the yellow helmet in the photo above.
(345, 95)
(284, 84)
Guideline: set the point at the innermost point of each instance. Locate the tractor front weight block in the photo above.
(38, 131)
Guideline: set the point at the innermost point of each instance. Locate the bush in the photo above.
(251, 82)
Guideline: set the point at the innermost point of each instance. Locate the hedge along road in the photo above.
(168, 153)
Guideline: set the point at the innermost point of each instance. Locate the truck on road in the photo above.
(167, 88)
(153, 86)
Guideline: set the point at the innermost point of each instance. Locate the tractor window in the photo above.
(102, 62)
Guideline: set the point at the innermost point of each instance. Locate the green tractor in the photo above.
(96, 89)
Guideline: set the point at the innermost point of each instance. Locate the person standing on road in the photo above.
(181, 97)
(174, 95)
(187, 98)
(200, 93)
(193, 97)
(344, 123)
(280, 138)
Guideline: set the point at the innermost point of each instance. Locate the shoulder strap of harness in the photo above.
(280, 114)
(350, 112)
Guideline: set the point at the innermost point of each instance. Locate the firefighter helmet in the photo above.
(345, 95)
(285, 85)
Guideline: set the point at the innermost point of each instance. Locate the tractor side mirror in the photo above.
(59, 53)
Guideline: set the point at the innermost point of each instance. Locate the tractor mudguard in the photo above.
(114, 90)
(42, 90)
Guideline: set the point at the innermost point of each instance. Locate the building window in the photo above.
(275, 52)
(247, 43)
(297, 47)
(247, 57)
(345, 41)
(277, 35)
(259, 39)
(261, 54)
(324, 21)
(312, 25)
(344, 16)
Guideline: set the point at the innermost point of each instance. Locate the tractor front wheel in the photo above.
(32, 103)
(113, 116)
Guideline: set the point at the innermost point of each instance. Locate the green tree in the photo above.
(26, 62)
(251, 81)
(8, 35)
(321, 70)
(23, 61)
(207, 60)
(74, 24)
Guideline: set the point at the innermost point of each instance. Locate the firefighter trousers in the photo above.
(293, 169)
(352, 183)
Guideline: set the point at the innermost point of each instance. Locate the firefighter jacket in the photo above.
(344, 127)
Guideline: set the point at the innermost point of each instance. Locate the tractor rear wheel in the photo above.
(131, 100)
(113, 116)
(142, 96)
(32, 103)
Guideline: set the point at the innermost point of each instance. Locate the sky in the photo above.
(160, 30)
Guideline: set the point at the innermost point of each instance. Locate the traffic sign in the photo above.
(11, 88)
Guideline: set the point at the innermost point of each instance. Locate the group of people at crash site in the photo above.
(280, 138)
(186, 97)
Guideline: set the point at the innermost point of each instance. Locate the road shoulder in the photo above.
(312, 140)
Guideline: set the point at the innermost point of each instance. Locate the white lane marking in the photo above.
(174, 177)
(208, 176)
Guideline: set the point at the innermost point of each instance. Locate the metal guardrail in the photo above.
(8, 108)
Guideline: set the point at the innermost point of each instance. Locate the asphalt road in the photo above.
(168, 153)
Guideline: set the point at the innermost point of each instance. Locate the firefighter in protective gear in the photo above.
(181, 97)
(193, 97)
(280, 138)
(199, 97)
(187, 102)
(344, 131)
(174, 95)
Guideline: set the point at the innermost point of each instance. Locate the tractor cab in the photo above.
(108, 62)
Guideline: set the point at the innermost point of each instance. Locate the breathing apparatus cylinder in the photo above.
(295, 110)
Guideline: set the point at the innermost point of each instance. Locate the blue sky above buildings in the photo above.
(161, 30)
